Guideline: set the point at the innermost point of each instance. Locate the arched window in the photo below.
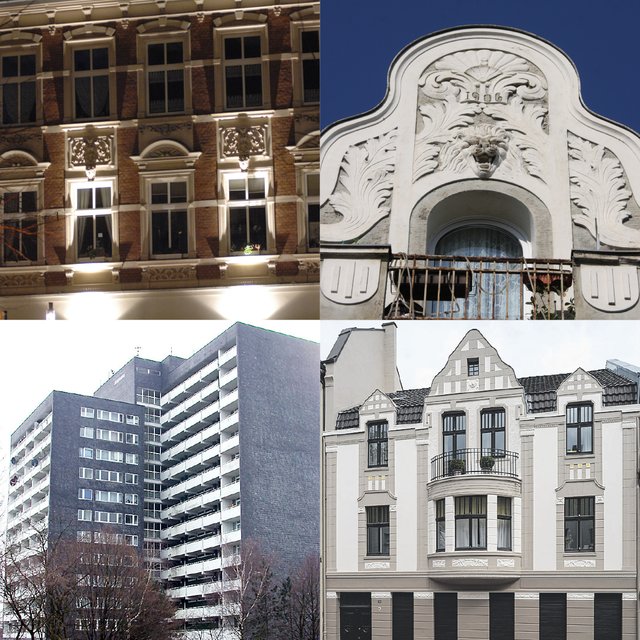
(482, 289)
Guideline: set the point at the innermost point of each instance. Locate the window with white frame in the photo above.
(111, 416)
(86, 473)
(84, 536)
(86, 432)
(148, 396)
(310, 54)
(20, 225)
(131, 458)
(85, 515)
(108, 517)
(108, 496)
(86, 412)
(131, 478)
(109, 456)
(131, 541)
(312, 207)
(130, 498)
(109, 436)
(152, 415)
(108, 476)
(132, 438)
(86, 452)
(91, 82)
(243, 71)
(133, 420)
(165, 77)
(18, 88)
(247, 214)
(169, 235)
(85, 494)
(92, 203)
(130, 518)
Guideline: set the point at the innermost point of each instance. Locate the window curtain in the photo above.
(492, 295)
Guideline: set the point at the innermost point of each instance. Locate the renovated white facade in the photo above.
(485, 506)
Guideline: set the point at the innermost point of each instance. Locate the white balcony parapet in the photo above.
(192, 526)
(184, 407)
(230, 420)
(183, 387)
(194, 548)
(193, 568)
(203, 417)
(195, 590)
(227, 399)
(191, 485)
(203, 501)
(200, 437)
(223, 358)
(193, 463)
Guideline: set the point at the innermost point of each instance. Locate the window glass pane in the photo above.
(313, 184)
(179, 231)
(463, 539)
(256, 188)
(27, 102)
(85, 236)
(253, 85)
(499, 440)
(585, 439)
(310, 41)
(81, 59)
(175, 90)
(258, 227)
(103, 197)
(237, 190)
(178, 192)
(11, 202)
(252, 47)
(174, 52)
(10, 66)
(313, 211)
(572, 439)
(159, 193)
(10, 113)
(83, 97)
(311, 76)
(586, 534)
(234, 88)
(232, 48)
(156, 92)
(156, 53)
(100, 96)
(101, 58)
(27, 65)
(103, 236)
(238, 223)
(160, 232)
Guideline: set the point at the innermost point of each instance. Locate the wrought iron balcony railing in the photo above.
(480, 288)
(475, 461)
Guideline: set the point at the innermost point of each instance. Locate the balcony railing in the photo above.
(475, 461)
(480, 288)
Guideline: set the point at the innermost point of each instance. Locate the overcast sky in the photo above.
(38, 357)
(360, 38)
(531, 348)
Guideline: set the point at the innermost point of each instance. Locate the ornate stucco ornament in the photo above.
(90, 151)
(244, 142)
(470, 88)
(483, 76)
(599, 189)
(485, 147)
(363, 190)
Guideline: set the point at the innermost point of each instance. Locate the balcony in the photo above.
(479, 288)
(493, 462)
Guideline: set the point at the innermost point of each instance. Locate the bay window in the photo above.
(471, 522)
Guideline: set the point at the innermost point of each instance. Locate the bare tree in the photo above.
(67, 590)
(299, 602)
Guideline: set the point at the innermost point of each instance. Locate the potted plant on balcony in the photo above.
(486, 463)
(457, 466)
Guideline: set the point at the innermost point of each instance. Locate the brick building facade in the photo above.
(159, 152)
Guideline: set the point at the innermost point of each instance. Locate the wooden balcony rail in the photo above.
(479, 288)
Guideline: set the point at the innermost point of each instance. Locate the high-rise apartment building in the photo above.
(159, 153)
(485, 506)
(203, 453)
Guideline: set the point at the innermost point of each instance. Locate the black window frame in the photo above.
(440, 524)
(92, 73)
(490, 420)
(169, 71)
(454, 431)
(23, 83)
(379, 442)
(310, 67)
(579, 426)
(475, 520)
(378, 536)
(242, 67)
(473, 366)
(581, 510)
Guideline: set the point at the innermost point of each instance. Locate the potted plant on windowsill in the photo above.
(486, 463)
(457, 466)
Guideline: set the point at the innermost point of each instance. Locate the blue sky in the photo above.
(360, 38)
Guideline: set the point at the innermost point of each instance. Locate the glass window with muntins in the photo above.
(454, 432)
(243, 71)
(165, 76)
(18, 89)
(579, 524)
(378, 444)
(378, 531)
(580, 428)
(471, 522)
(492, 430)
(91, 82)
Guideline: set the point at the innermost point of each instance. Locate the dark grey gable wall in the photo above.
(279, 404)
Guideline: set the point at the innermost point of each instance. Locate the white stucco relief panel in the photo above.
(458, 97)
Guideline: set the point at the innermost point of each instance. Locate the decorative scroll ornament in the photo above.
(89, 152)
(470, 87)
(599, 189)
(483, 76)
(364, 187)
(244, 142)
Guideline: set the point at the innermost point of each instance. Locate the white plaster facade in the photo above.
(537, 473)
(482, 128)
